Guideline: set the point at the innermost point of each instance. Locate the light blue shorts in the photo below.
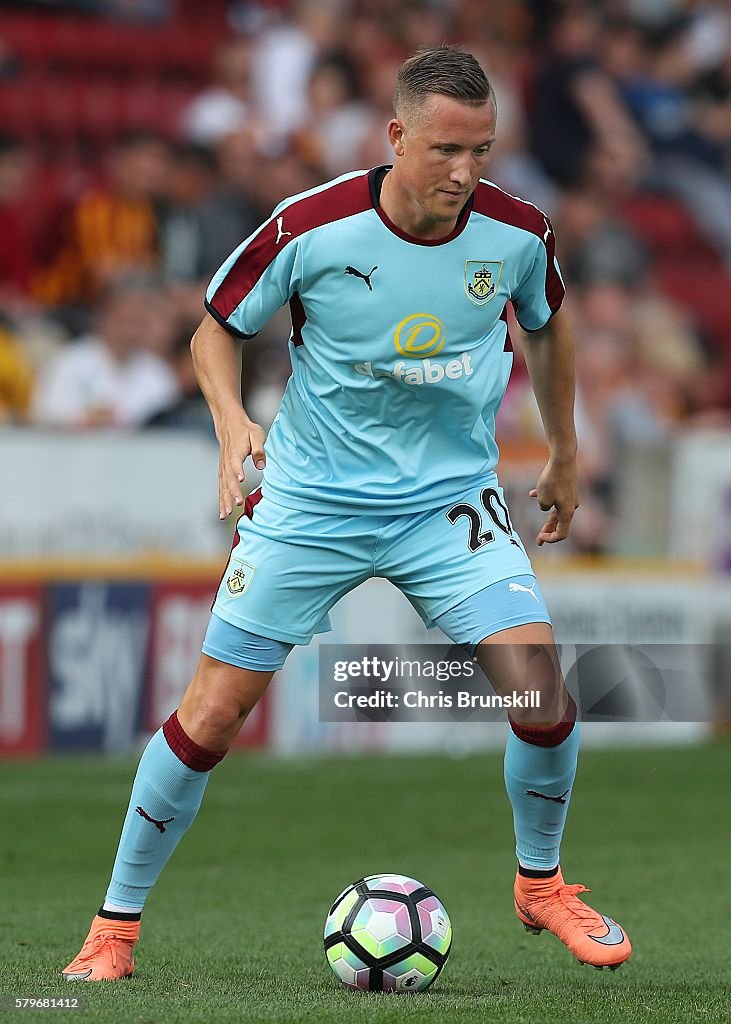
(499, 606)
(288, 568)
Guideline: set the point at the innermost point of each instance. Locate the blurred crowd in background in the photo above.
(142, 140)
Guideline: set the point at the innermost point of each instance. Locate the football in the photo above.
(387, 933)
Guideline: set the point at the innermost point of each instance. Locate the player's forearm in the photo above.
(550, 357)
(217, 362)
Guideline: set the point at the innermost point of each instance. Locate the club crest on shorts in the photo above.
(239, 577)
(481, 279)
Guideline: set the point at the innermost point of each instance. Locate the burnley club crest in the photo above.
(481, 279)
(239, 577)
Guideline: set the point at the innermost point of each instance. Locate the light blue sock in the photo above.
(170, 793)
(539, 781)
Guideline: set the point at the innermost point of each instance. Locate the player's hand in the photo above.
(557, 491)
(237, 440)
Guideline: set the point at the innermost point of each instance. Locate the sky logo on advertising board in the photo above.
(96, 652)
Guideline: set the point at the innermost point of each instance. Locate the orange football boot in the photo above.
(549, 903)
(107, 952)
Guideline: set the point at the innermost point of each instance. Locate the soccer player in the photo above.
(381, 463)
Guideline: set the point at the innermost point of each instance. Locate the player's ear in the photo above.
(395, 135)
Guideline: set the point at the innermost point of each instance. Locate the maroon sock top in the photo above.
(195, 757)
(547, 735)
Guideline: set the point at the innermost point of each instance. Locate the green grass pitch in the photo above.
(233, 930)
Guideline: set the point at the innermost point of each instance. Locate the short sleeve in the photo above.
(256, 279)
(541, 291)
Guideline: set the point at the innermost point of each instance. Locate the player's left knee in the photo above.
(546, 703)
(540, 732)
(528, 675)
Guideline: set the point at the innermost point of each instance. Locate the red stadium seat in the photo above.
(100, 108)
(15, 116)
(25, 37)
(68, 41)
(143, 53)
(140, 104)
(664, 226)
(703, 287)
(59, 106)
(174, 99)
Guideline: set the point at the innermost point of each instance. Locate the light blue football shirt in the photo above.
(400, 349)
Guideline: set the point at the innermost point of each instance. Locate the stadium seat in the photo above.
(703, 287)
(25, 37)
(665, 226)
(100, 108)
(14, 111)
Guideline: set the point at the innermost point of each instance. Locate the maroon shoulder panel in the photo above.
(491, 201)
(344, 199)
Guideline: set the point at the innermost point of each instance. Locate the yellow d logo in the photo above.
(419, 335)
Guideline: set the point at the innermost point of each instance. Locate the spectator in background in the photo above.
(110, 229)
(595, 245)
(708, 38)
(279, 172)
(16, 380)
(657, 92)
(337, 121)
(189, 411)
(639, 369)
(512, 166)
(190, 183)
(575, 105)
(225, 107)
(712, 95)
(187, 236)
(689, 161)
(375, 148)
(284, 57)
(250, 184)
(418, 24)
(229, 214)
(120, 375)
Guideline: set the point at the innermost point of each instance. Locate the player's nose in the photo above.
(460, 173)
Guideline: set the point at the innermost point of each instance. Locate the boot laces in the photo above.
(568, 894)
(98, 943)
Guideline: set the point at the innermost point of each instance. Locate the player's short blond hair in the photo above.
(441, 71)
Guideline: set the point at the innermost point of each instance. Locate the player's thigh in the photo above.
(525, 658)
(287, 568)
(441, 557)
